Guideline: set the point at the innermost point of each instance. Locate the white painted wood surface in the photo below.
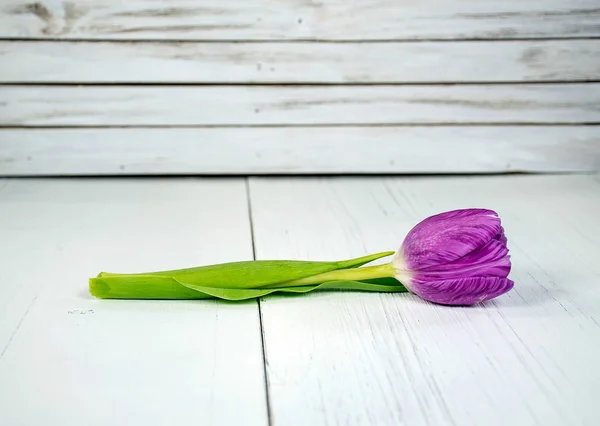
(284, 20)
(255, 105)
(402, 62)
(68, 359)
(255, 150)
(238, 63)
(527, 358)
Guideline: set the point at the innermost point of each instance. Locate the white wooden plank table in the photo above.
(68, 359)
(527, 358)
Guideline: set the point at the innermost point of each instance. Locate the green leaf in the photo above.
(155, 287)
(216, 280)
(243, 294)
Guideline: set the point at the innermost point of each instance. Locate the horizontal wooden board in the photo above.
(293, 20)
(398, 62)
(259, 105)
(411, 149)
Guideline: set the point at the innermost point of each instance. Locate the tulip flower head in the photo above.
(458, 257)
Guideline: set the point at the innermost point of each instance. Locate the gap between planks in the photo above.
(291, 41)
(286, 126)
(258, 303)
(303, 84)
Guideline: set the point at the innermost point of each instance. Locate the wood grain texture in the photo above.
(408, 62)
(285, 20)
(385, 149)
(527, 358)
(69, 359)
(257, 105)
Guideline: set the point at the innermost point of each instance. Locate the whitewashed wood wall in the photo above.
(298, 86)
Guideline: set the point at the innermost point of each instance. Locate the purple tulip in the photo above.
(455, 258)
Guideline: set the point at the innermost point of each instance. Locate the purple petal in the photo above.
(490, 260)
(461, 291)
(448, 236)
(501, 237)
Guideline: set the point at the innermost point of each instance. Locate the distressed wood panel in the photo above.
(143, 62)
(256, 105)
(410, 149)
(69, 359)
(527, 358)
(293, 20)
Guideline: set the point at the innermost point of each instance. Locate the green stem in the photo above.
(353, 274)
(124, 286)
